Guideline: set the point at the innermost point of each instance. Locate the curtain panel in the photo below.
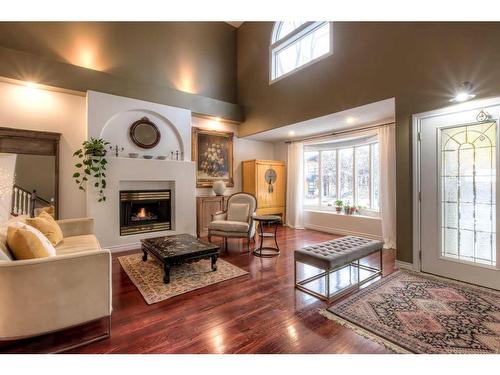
(387, 155)
(295, 185)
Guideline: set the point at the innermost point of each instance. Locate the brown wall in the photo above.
(420, 64)
(186, 64)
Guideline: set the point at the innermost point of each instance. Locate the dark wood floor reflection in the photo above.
(257, 313)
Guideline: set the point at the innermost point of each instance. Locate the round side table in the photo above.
(267, 220)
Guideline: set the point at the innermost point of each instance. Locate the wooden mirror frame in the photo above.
(138, 143)
(33, 142)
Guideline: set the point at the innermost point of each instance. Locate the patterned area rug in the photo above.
(417, 313)
(148, 276)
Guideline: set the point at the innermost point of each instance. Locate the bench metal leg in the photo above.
(330, 297)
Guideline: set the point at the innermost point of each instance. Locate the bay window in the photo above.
(343, 170)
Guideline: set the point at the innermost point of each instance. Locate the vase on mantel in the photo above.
(219, 187)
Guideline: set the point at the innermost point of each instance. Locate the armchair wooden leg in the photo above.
(225, 243)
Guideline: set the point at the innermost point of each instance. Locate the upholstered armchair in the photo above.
(236, 221)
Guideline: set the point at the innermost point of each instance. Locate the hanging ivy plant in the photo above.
(92, 165)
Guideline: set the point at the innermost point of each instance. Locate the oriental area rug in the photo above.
(148, 276)
(411, 312)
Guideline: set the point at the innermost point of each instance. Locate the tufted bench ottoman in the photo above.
(333, 256)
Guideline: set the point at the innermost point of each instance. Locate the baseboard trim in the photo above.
(404, 265)
(341, 232)
(125, 247)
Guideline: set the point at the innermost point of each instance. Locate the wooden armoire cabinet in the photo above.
(266, 179)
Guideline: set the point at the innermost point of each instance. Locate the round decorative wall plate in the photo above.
(144, 133)
(270, 177)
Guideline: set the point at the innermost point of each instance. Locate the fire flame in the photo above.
(142, 212)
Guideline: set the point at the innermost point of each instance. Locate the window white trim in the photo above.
(300, 32)
(370, 211)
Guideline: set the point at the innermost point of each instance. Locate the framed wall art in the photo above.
(213, 153)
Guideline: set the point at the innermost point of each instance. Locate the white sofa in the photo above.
(44, 295)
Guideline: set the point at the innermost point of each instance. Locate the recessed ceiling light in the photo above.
(464, 93)
(291, 133)
(350, 120)
(217, 119)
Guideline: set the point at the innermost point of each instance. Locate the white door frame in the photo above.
(416, 123)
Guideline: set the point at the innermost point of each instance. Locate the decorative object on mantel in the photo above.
(219, 187)
(213, 153)
(147, 156)
(116, 149)
(92, 165)
(161, 157)
(133, 155)
(144, 133)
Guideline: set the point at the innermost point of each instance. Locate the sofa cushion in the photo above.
(228, 226)
(76, 244)
(26, 242)
(48, 226)
(238, 212)
(5, 254)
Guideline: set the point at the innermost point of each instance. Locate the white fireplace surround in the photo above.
(110, 117)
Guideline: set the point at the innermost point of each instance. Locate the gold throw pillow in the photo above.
(24, 244)
(46, 224)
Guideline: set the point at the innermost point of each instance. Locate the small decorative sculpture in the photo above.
(116, 149)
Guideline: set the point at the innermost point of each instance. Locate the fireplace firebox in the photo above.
(143, 211)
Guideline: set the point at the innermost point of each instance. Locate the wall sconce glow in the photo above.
(31, 85)
(185, 80)
(32, 95)
(350, 120)
(87, 59)
(291, 133)
(464, 93)
(215, 124)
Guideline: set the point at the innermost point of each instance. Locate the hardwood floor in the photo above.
(256, 313)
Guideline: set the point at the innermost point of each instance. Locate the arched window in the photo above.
(297, 44)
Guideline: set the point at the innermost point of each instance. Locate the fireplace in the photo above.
(144, 211)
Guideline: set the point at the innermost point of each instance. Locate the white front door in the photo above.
(458, 212)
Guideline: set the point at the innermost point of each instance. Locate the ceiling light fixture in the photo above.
(350, 120)
(464, 93)
(291, 133)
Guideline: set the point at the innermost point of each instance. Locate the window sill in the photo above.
(330, 212)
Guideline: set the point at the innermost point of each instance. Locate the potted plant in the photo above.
(92, 165)
(347, 208)
(353, 210)
(338, 206)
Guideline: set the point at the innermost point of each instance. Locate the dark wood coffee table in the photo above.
(178, 249)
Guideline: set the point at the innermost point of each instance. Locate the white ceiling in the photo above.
(369, 114)
(235, 23)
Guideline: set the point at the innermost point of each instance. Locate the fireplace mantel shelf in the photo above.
(110, 158)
